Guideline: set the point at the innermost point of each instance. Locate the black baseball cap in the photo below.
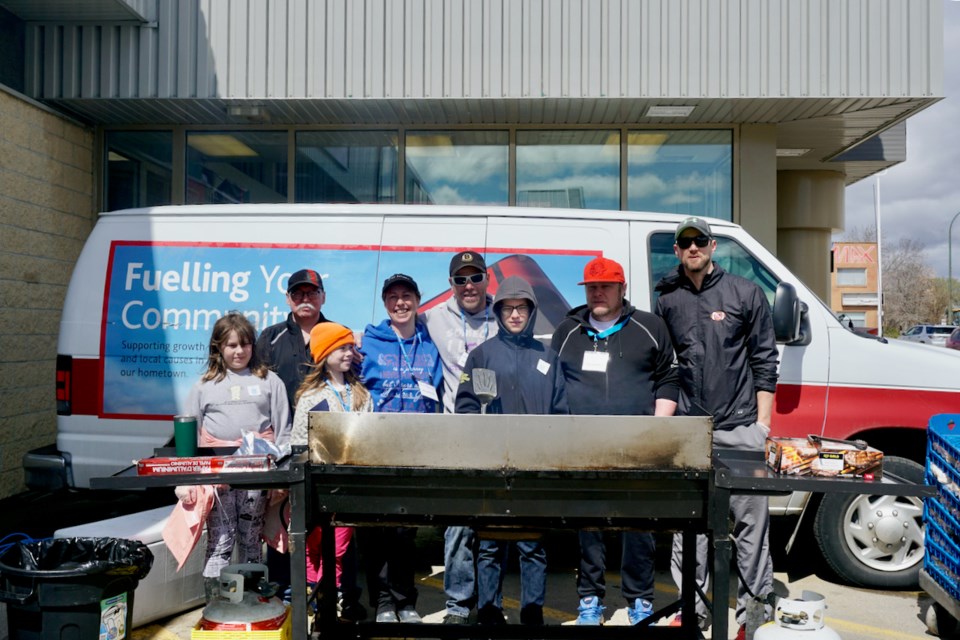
(467, 259)
(399, 278)
(304, 276)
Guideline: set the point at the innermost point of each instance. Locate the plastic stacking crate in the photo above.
(941, 515)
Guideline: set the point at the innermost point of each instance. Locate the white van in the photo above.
(150, 283)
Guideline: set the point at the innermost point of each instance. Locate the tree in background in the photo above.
(911, 292)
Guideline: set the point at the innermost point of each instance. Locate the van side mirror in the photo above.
(790, 323)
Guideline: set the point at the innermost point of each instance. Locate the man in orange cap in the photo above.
(616, 360)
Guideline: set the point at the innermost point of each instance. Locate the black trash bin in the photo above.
(69, 588)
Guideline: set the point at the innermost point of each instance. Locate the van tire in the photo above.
(845, 526)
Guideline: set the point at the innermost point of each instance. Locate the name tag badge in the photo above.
(253, 390)
(427, 391)
(595, 361)
(543, 367)
(462, 360)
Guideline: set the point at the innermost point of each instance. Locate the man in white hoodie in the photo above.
(457, 327)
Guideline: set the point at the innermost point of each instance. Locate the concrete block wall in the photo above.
(46, 213)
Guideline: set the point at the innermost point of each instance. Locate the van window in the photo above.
(730, 255)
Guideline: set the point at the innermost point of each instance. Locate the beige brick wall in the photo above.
(46, 212)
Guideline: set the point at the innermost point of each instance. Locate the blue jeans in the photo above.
(460, 570)
(491, 567)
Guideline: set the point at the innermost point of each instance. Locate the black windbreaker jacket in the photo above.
(725, 344)
(281, 347)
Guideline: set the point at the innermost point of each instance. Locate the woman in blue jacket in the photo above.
(401, 369)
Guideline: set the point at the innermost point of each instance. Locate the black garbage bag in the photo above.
(69, 557)
(71, 587)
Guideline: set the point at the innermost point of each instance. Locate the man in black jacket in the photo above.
(285, 346)
(722, 331)
(616, 360)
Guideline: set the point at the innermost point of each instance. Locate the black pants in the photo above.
(390, 557)
(636, 566)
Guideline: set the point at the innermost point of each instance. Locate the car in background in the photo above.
(953, 340)
(935, 334)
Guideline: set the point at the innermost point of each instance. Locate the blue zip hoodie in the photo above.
(392, 367)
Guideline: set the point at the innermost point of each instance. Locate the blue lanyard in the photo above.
(606, 333)
(403, 354)
(486, 324)
(346, 387)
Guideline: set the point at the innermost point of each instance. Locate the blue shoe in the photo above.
(640, 611)
(591, 611)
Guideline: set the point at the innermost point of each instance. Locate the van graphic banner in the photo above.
(162, 299)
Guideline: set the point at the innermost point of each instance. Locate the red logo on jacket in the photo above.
(718, 316)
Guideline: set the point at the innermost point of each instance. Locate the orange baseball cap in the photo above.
(603, 270)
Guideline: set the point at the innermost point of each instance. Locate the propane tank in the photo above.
(246, 602)
(801, 619)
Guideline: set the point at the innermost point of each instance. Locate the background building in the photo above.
(757, 112)
(853, 283)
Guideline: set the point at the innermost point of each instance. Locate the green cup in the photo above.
(185, 435)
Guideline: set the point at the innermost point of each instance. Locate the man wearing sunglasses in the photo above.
(616, 360)
(722, 330)
(457, 327)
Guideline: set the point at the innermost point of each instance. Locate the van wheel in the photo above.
(874, 541)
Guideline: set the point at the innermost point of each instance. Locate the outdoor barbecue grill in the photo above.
(507, 472)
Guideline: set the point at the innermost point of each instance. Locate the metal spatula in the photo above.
(485, 386)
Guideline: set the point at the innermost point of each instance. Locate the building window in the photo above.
(851, 277)
(236, 166)
(138, 169)
(576, 169)
(681, 171)
(346, 166)
(457, 167)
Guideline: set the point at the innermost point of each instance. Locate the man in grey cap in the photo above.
(722, 331)
(457, 327)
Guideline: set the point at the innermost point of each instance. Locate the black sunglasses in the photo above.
(475, 278)
(685, 241)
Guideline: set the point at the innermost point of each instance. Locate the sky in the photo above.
(920, 196)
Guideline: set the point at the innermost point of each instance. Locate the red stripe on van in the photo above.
(85, 387)
(354, 247)
(798, 409)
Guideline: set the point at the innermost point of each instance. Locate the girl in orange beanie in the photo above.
(331, 385)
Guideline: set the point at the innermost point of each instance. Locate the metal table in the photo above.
(747, 472)
(288, 475)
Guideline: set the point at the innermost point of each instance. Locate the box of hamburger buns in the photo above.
(814, 456)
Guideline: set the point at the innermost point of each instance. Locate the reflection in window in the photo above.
(138, 171)
(730, 255)
(236, 166)
(681, 171)
(346, 166)
(577, 169)
(457, 167)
